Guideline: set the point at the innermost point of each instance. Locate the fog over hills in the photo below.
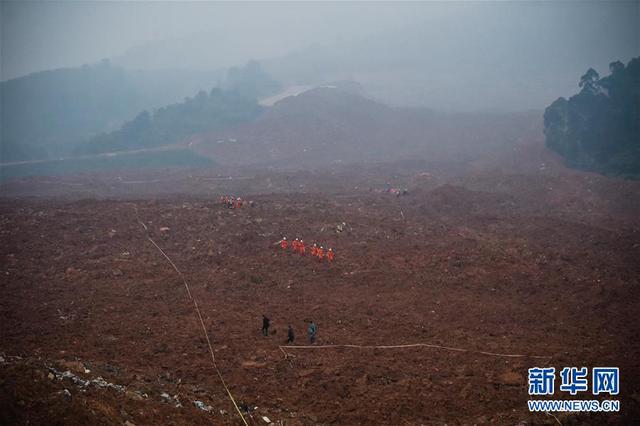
(447, 57)
(462, 62)
(449, 61)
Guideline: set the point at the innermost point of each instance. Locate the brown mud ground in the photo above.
(544, 265)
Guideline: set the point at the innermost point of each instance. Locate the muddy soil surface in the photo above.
(544, 266)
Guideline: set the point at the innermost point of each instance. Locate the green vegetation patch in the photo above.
(599, 128)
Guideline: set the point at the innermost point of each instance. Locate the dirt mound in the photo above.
(328, 126)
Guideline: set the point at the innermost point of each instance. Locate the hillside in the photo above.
(326, 126)
(47, 114)
(172, 123)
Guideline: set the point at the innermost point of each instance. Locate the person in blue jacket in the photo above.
(313, 331)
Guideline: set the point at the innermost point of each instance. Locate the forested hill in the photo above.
(599, 128)
(171, 124)
(51, 114)
(46, 114)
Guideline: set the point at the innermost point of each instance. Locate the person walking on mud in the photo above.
(313, 331)
(265, 325)
(290, 335)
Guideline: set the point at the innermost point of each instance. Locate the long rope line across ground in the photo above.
(204, 329)
(427, 345)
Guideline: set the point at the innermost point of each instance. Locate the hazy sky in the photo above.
(46, 35)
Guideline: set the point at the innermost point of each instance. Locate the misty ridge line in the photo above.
(172, 127)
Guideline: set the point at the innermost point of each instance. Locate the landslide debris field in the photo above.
(97, 327)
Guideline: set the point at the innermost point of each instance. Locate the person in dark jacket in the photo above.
(290, 335)
(265, 325)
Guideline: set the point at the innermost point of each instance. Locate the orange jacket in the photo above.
(320, 253)
(301, 248)
(330, 255)
(284, 244)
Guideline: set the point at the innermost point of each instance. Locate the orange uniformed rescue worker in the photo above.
(320, 253)
(284, 243)
(330, 255)
(301, 248)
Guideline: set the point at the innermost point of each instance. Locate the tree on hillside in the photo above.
(589, 81)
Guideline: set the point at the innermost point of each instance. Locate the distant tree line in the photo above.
(599, 128)
(173, 123)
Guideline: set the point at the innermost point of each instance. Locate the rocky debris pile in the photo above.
(83, 383)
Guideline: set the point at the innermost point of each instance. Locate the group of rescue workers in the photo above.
(312, 330)
(298, 246)
(231, 202)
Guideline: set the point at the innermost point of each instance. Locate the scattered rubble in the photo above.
(202, 406)
(171, 399)
(83, 383)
